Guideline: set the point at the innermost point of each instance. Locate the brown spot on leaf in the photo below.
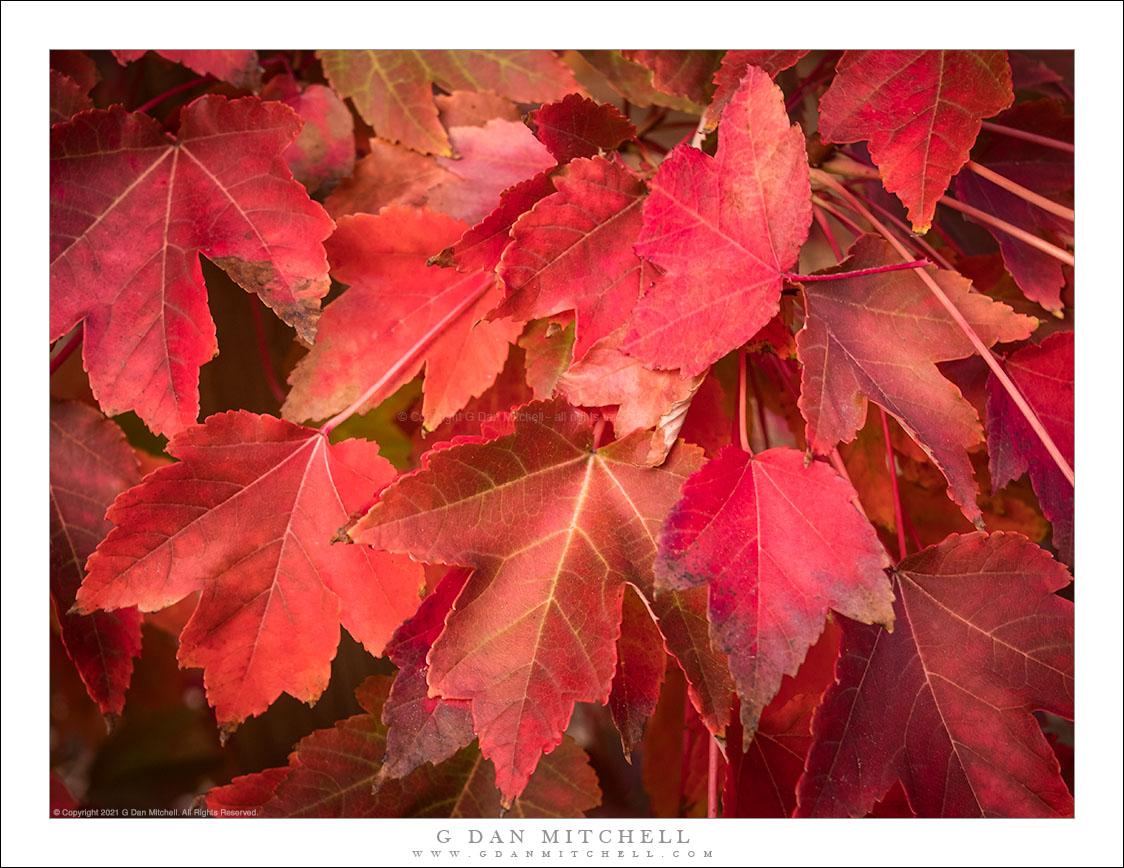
(260, 277)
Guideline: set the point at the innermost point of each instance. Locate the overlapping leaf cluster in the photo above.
(589, 526)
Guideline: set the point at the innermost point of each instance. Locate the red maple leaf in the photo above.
(608, 377)
(333, 772)
(132, 209)
(579, 127)
(483, 245)
(685, 73)
(724, 229)
(422, 728)
(246, 516)
(980, 641)
(780, 544)
(1045, 171)
(573, 251)
(686, 631)
(1044, 374)
(732, 69)
(920, 112)
(239, 67)
(387, 175)
(761, 780)
(398, 315)
(641, 661)
(878, 337)
(554, 528)
(491, 159)
(91, 463)
(324, 152)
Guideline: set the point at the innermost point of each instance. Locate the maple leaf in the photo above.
(850, 322)
(388, 175)
(67, 98)
(239, 67)
(132, 209)
(76, 65)
(1044, 374)
(732, 68)
(471, 108)
(492, 158)
(1044, 170)
(686, 630)
(724, 229)
(324, 152)
(91, 463)
(483, 245)
(780, 544)
(422, 728)
(393, 90)
(554, 528)
(573, 251)
(761, 780)
(634, 81)
(685, 73)
(579, 127)
(641, 661)
(398, 315)
(920, 111)
(980, 641)
(246, 516)
(331, 773)
(644, 398)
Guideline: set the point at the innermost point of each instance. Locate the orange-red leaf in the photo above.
(90, 465)
(920, 111)
(779, 544)
(246, 516)
(573, 251)
(398, 315)
(554, 529)
(725, 229)
(132, 209)
(332, 772)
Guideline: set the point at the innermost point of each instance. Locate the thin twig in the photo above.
(1012, 230)
(899, 521)
(862, 272)
(263, 349)
(712, 781)
(743, 426)
(1021, 191)
(1028, 137)
(855, 228)
(825, 228)
(187, 85)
